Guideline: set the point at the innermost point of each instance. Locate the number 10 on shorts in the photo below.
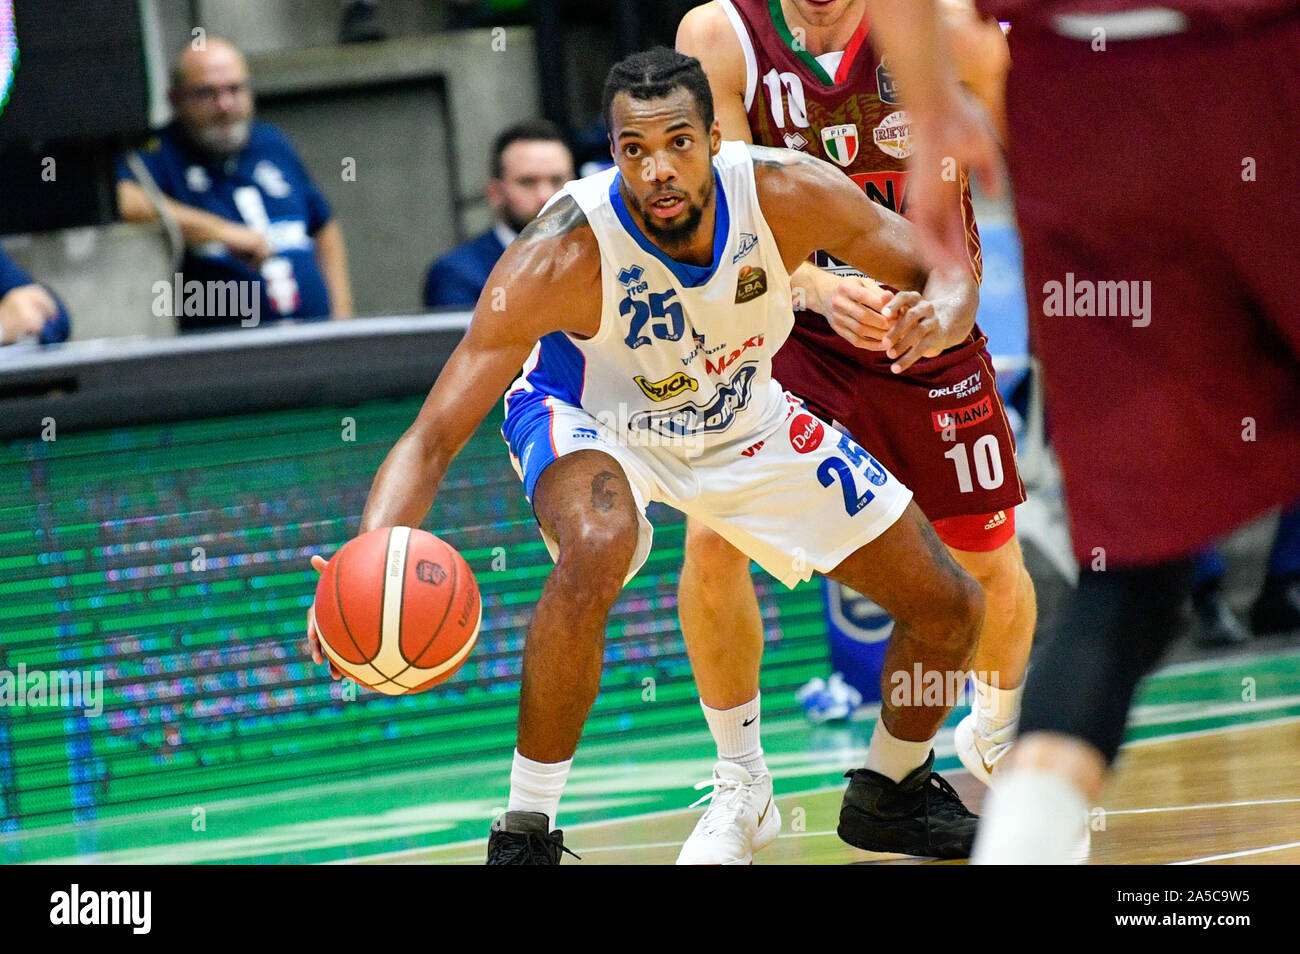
(988, 464)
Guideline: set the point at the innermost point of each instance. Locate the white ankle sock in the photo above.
(537, 786)
(736, 732)
(895, 758)
(995, 708)
(1031, 817)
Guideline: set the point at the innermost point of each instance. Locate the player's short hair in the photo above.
(530, 130)
(653, 74)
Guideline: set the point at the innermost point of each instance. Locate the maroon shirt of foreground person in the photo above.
(1167, 160)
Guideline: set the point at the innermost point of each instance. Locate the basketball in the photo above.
(397, 610)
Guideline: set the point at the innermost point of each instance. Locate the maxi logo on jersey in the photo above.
(710, 418)
(727, 360)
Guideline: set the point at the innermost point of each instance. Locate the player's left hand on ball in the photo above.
(318, 656)
(917, 332)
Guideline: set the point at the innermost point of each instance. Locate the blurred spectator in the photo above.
(243, 200)
(1277, 607)
(360, 22)
(530, 163)
(28, 309)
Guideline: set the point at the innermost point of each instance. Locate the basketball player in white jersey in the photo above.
(644, 304)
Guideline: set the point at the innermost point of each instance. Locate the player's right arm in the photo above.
(547, 280)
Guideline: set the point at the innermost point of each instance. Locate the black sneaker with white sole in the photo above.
(523, 838)
(921, 815)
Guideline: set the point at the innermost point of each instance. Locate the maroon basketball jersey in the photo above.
(853, 118)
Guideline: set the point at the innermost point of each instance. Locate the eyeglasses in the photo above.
(210, 95)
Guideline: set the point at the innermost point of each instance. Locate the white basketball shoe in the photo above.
(741, 818)
(979, 753)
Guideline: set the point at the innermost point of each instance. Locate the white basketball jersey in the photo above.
(683, 352)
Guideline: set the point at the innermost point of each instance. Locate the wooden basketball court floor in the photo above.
(1210, 774)
(1226, 796)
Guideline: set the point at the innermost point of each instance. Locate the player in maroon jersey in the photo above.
(1194, 429)
(804, 75)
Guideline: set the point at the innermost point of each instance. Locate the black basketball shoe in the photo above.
(921, 815)
(521, 838)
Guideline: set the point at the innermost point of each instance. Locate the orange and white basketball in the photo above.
(397, 610)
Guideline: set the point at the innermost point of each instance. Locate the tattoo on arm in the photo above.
(602, 499)
(765, 157)
(560, 219)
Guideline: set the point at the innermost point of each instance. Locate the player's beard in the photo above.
(226, 139)
(680, 233)
(514, 221)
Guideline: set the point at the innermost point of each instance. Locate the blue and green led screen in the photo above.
(173, 561)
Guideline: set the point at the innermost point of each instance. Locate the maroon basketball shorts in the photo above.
(940, 428)
(1157, 186)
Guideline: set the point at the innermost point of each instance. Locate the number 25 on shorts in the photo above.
(863, 463)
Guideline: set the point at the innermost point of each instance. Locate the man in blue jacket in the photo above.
(28, 309)
(248, 209)
(530, 162)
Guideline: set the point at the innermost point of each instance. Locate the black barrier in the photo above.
(118, 382)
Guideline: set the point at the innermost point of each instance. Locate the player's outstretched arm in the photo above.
(981, 57)
(945, 126)
(933, 312)
(547, 280)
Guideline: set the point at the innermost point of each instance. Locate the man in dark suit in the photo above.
(530, 162)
